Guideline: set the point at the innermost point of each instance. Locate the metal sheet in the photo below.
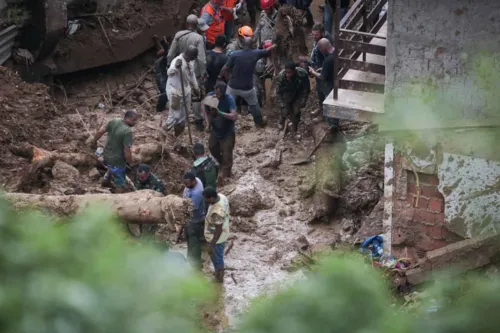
(471, 188)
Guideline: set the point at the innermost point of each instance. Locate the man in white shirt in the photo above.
(181, 65)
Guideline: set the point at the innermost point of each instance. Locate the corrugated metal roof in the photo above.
(7, 37)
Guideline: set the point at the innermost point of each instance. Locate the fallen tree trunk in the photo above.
(137, 207)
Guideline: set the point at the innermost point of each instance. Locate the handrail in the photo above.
(358, 29)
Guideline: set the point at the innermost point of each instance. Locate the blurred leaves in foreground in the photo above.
(85, 277)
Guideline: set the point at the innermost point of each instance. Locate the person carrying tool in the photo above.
(192, 37)
(317, 59)
(181, 70)
(292, 91)
(265, 29)
(216, 229)
(193, 189)
(216, 59)
(326, 75)
(145, 180)
(117, 151)
(241, 66)
(211, 13)
(220, 113)
(161, 66)
(205, 168)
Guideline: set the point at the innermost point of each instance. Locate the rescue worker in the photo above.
(252, 7)
(180, 43)
(244, 32)
(329, 12)
(204, 166)
(181, 64)
(211, 13)
(317, 59)
(326, 76)
(216, 59)
(228, 9)
(221, 115)
(241, 65)
(161, 77)
(216, 229)
(145, 180)
(265, 29)
(117, 151)
(292, 91)
(193, 189)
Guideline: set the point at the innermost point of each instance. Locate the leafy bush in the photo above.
(84, 277)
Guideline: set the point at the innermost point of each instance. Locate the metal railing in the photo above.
(353, 35)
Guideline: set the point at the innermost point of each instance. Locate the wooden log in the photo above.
(144, 206)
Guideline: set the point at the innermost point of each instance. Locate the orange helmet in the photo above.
(266, 4)
(245, 31)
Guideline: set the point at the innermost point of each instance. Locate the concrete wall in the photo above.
(442, 64)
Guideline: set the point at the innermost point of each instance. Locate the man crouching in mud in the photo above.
(117, 151)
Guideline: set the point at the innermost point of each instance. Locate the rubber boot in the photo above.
(219, 276)
(178, 130)
(199, 125)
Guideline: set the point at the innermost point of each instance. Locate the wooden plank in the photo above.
(361, 47)
(362, 86)
(362, 66)
(366, 34)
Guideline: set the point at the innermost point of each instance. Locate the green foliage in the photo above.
(84, 277)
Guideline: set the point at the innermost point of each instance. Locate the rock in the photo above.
(321, 248)
(306, 190)
(252, 151)
(243, 225)
(274, 160)
(94, 174)
(245, 201)
(372, 224)
(64, 171)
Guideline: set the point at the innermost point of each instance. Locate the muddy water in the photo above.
(255, 263)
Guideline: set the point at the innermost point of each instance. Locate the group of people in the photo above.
(210, 218)
(200, 71)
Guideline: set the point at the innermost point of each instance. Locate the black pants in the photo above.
(161, 82)
(222, 151)
(194, 233)
(253, 6)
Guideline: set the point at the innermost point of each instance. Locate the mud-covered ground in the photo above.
(273, 229)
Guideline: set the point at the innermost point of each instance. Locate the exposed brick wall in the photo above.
(418, 214)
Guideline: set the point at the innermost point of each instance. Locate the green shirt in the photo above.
(119, 137)
(207, 170)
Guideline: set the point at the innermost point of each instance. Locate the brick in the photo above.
(412, 188)
(429, 191)
(440, 218)
(410, 199)
(428, 217)
(436, 205)
(464, 255)
(422, 202)
(428, 179)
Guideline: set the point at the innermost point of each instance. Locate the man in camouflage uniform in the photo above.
(145, 180)
(292, 91)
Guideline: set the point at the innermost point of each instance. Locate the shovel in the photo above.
(308, 158)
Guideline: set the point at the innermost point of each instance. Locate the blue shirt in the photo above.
(222, 127)
(242, 65)
(196, 196)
